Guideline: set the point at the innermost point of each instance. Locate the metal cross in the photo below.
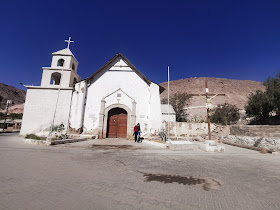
(69, 41)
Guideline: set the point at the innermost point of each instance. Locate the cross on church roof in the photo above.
(69, 41)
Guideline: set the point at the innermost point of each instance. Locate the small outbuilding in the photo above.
(168, 113)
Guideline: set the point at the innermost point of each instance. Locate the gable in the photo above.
(120, 63)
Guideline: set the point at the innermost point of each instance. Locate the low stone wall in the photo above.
(180, 130)
(271, 144)
(33, 141)
(53, 142)
(255, 130)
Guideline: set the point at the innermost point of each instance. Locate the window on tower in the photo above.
(73, 66)
(60, 62)
(75, 81)
(55, 78)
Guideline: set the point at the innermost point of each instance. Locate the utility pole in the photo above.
(168, 134)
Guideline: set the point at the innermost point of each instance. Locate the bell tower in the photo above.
(63, 70)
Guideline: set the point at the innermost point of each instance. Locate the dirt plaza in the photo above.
(121, 174)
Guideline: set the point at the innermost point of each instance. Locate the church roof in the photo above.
(65, 51)
(139, 73)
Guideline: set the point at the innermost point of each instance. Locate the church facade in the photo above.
(108, 103)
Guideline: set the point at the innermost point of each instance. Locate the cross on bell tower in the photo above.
(69, 41)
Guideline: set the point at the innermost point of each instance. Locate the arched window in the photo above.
(75, 81)
(55, 78)
(60, 62)
(73, 66)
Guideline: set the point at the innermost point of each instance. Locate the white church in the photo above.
(109, 103)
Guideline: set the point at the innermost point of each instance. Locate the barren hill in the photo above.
(236, 91)
(8, 92)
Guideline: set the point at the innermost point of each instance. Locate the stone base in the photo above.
(208, 148)
(51, 142)
(180, 145)
(157, 144)
(87, 136)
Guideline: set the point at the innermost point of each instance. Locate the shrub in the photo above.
(272, 85)
(15, 116)
(259, 105)
(225, 114)
(34, 136)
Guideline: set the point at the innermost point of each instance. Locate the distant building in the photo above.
(10, 124)
(168, 114)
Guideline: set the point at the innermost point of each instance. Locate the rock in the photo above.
(270, 144)
(199, 139)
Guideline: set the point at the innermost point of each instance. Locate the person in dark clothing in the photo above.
(136, 130)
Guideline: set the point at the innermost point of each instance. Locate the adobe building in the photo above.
(108, 103)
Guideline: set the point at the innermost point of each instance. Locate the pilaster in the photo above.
(101, 118)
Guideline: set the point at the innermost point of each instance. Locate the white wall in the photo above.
(77, 105)
(39, 110)
(155, 107)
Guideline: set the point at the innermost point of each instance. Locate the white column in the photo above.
(101, 118)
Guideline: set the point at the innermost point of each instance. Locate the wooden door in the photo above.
(117, 126)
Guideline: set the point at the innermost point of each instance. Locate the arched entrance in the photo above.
(117, 123)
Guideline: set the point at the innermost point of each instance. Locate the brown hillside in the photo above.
(236, 91)
(8, 92)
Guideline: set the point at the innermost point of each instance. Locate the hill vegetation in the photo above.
(8, 92)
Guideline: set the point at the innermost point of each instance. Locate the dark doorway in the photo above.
(117, 123)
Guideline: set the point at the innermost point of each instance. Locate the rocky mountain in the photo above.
(236, 91)
(8, 92)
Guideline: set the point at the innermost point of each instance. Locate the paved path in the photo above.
(120, 174)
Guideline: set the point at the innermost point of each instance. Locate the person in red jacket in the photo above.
(136, 130)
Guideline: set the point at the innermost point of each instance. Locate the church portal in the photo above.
(117, 123)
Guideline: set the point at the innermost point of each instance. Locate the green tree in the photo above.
(273, 91)
(225, 114)
(178, 102)
(15, 116)
(2, 116)
(259, 105)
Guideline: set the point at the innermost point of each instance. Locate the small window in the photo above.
(55, 78)
(75, 81)
(60, 62)
(73, 66)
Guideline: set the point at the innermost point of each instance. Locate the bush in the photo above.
(272, 85)
(34, 136)
(15, 116)
(225, 114)
(259, 105)
(2, 116)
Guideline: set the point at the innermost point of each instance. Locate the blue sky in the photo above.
(224, 39)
